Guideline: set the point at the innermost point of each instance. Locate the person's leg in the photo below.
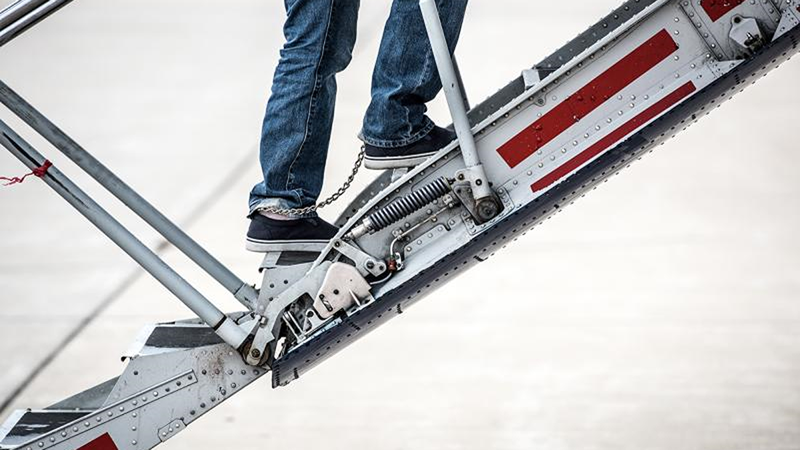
(405, 78)
(320, 35)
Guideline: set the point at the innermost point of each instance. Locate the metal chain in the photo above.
(328, 201)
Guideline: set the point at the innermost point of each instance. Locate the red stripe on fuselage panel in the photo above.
(104, 442)
(718, 8)
(615, 136)
(588, 98)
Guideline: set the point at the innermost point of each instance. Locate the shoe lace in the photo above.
(328, 201)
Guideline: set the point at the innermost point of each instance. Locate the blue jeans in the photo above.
(320, 36)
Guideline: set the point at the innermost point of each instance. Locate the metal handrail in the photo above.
(146, 258)
(242, 291)
(17, 10)
(23, 14)
(14, 20)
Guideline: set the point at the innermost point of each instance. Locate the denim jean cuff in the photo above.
(382, 143)
(277, 203)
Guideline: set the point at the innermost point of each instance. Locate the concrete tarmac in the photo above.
(662, 311)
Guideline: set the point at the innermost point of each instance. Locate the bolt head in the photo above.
(488, 209)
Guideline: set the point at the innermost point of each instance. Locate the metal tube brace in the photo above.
(243, 292)
(20, 16)
(486, 203)
(226, 328)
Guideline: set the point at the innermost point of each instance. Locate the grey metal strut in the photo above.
(194, 300)
(243, 292)
(24, 14)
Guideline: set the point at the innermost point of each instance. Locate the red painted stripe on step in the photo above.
(718, 8)
(104, 442)
(588, 98)
(615, 136)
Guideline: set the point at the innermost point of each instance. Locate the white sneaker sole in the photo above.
(396, 162)
(311, 245)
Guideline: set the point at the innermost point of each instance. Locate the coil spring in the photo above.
(405, 206)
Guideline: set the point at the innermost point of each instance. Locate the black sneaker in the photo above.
(380, 158)
(266, 234)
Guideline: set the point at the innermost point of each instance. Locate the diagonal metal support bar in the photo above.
(17, 10)
(244, 293)
(462, 88)
(487, 205)
(21, 15)
(450, 83)
(226, 328)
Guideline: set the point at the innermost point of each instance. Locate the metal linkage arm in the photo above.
(451, 85)
(486, 204)
(226, 328)
(18, 10)
(21, 15)
(243, 292)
